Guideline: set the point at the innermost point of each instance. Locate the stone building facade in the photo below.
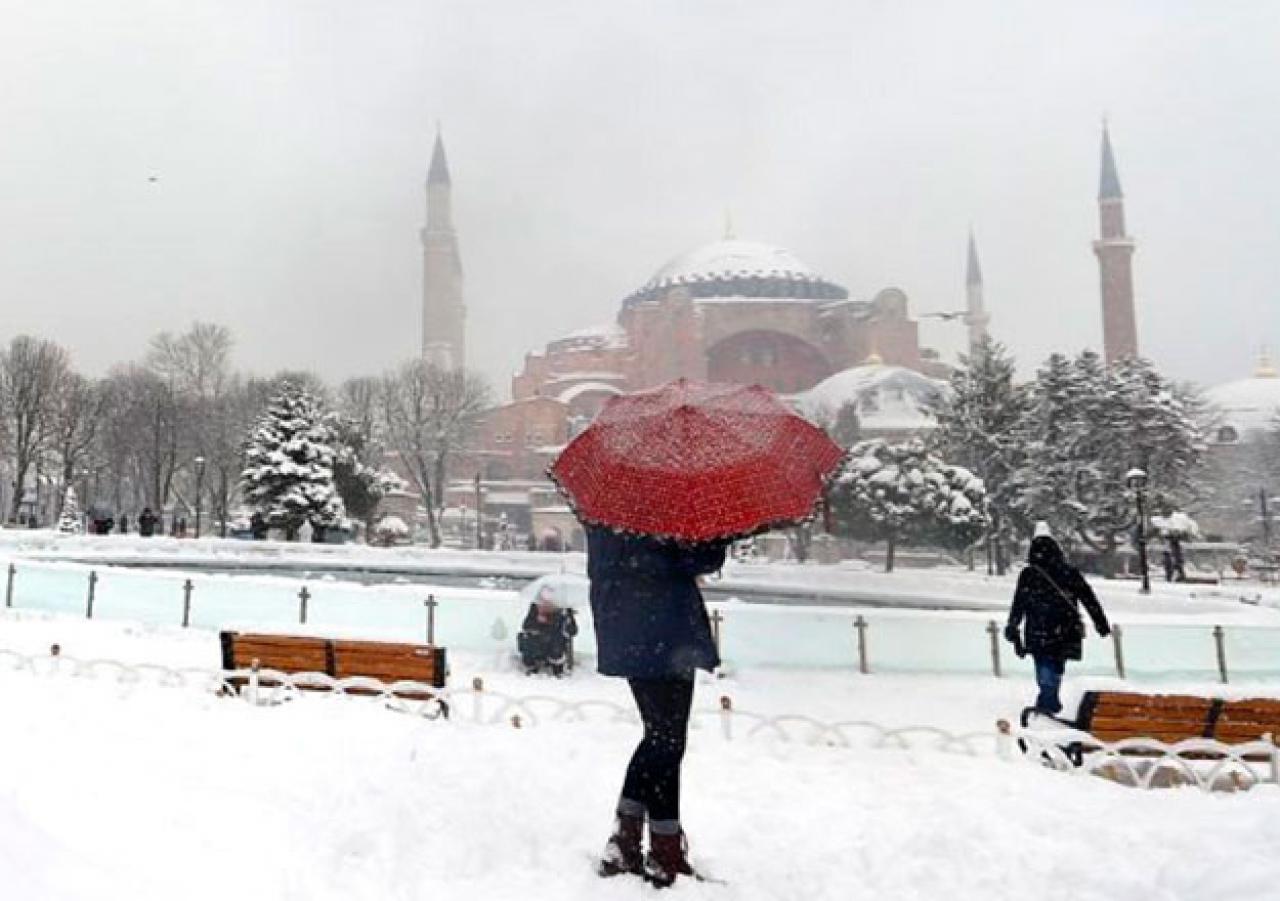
(730, 311)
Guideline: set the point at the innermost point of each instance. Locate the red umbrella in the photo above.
(696, 462)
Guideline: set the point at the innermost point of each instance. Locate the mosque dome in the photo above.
(733, 269)
(1247, 405)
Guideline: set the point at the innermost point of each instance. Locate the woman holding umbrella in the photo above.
(663, 480)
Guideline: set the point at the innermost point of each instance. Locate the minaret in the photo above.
(443, 310)
(975, 309)
(1115, 263)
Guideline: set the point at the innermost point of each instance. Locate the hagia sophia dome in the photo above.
(1247, 405)
(730, 268)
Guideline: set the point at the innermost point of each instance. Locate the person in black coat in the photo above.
(545, 635)
(146, 523)
(1048, 596)
(652, 629)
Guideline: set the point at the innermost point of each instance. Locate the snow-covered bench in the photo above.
(339, 659)
(1175, 733)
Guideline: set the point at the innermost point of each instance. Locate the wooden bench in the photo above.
(1112, 716)
(338, 658)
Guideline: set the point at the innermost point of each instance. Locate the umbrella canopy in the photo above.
(696, 462)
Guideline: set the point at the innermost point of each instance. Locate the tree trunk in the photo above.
(891, 544)
(1109, 556)
(1002, 563)
(428, 502)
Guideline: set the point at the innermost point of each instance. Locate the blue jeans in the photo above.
(1049, 677)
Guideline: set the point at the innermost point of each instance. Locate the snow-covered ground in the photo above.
(111, 791)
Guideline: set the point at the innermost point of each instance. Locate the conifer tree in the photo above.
(289, 460)
(981, 421)
(69, 520)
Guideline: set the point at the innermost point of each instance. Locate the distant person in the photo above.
(147, 523)
(1166, 559)
(258, 527)
(545, 636)
(124, 523)
(1049, 593)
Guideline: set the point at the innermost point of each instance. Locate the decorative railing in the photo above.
(1206, 764)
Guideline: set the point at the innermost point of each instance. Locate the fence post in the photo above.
(716, 619)
(994, 631)
(860, 624)
(726, 717)
(186, 603)
(1218, 639)
(93, 587)
(1275, 756)
(1004, 739)
(477, 705)
(303, 597)
(431, 603)
(253, 681)
(8, 589)
(1117, 645)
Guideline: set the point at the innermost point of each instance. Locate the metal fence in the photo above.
(747, 634)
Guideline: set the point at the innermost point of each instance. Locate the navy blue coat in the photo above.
(649, 617)
(1053, 626)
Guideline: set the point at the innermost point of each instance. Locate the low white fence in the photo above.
(1145, 763)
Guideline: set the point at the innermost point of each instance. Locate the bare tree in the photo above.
(429, 413)
(148, 424)
(79, 406)
(31, 372)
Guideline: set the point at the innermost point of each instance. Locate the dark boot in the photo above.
(668, 858)
(622, 852)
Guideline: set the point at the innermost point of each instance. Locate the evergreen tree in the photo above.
(980, 426)
(361, 486)
(289, 460)
(1089, 427)
(895, 492)
(69, 521)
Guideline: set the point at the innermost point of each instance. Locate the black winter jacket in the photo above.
(1053, 626)
(648, 612)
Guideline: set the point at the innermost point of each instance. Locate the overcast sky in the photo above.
(590, 142)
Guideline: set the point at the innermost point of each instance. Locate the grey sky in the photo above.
(591, 141)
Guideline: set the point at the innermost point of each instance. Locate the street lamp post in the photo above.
(199, 490)
(479, 515)
(1266, 521)
(1137, 480)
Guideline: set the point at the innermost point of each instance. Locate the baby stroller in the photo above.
(545, 641)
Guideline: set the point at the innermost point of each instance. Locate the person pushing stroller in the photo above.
(546, 634)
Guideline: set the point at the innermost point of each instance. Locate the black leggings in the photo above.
(653, 777)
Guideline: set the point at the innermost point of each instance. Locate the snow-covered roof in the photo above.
(727, 258)
(1249, 405)
(743, 270)
(605, 336)
(887, 398)
(573, 391)
(558, 377)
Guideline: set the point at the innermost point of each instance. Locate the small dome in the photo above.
(1249, 405)
(887, 398)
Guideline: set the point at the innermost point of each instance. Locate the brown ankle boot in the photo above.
(668, 858)
(622, 852)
